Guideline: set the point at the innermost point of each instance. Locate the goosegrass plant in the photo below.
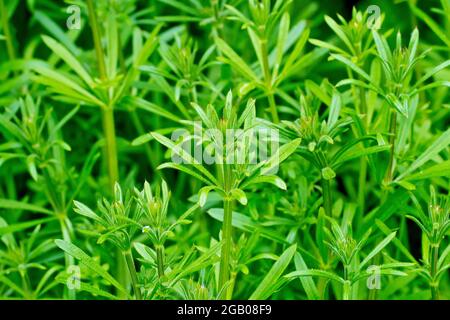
(347, 250)
(434, 224)
(38, 143)
(235, 166)
(273, 66)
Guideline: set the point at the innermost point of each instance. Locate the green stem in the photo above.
(224, 274)
(273, 108)
(434, 265)
(362, 187)
(160, 260)
(7, 31)
(133, 274)
(392, 134)
(69, 260)
(347, 289)
(110, 146)
(268, 81)
(108, 130)
(26, 283)
(96, 34)
(327, 198)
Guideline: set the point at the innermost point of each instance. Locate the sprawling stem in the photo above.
(7, 31)
(133, 274)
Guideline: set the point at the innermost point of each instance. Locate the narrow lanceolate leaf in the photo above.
(190, 160)
(68, 58)
(315, 273)
(24, 225)
(275, 180)
(306, 281)
(93, 265)
(87, 288)
(22, 206)
(282, 38)
(280, 155)
(436, 147)
(63, 84)
(441, 169)
(84, 210)
(268, 284)
(235, 60)
(246, 224)
(150, 107)
(377, 249)
(352, 66)
(340, 33)
(432, 72)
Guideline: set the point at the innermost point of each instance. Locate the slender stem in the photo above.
(69, 260)
(26, 283)
(268, 80)
(110, 146)
(7, 31)
(434, 264)
(96, 34)
(108, 130)
(273, 108)
(57, 203)
(224, 274)
(133, 274)
(362, 186)
(373, 293)
(327, 198)
(160, 260)
(392, 133)
(347, 287)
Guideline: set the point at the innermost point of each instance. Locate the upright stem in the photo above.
(434, 264)
(97, 39)
(363, 160)
(224, 275)
(7, 31)
(268, 80)
(392, 133)
(347, 288)
(327, 198)
(133, 274)
(160, 260)
(26, 284)
(69, 260)
(109, 131)
(57, 202)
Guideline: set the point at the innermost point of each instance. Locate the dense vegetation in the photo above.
(100, 197)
